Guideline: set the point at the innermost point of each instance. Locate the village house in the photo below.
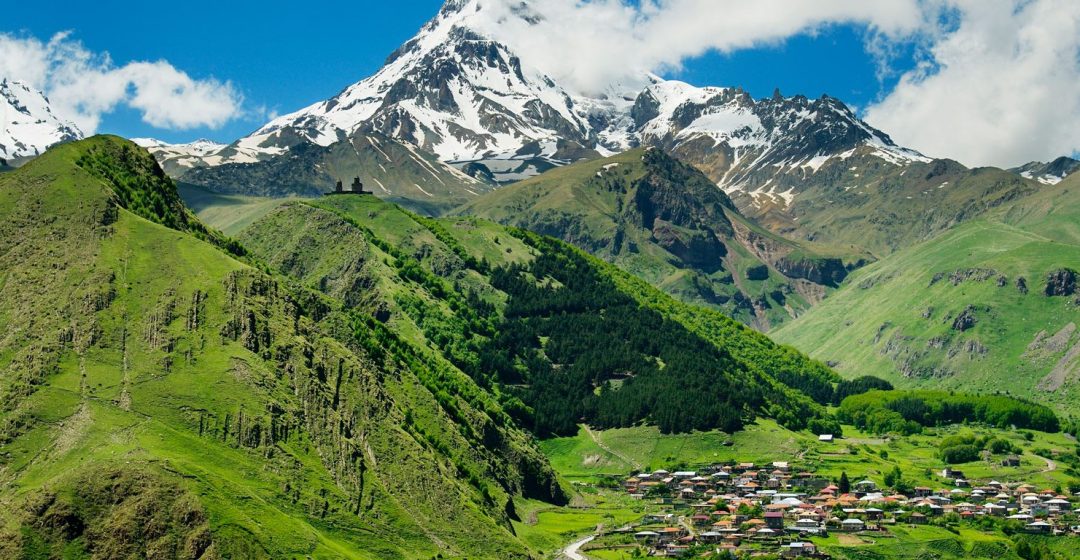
(865, 486)
(774, 520)
(852, 524)
(798, 549)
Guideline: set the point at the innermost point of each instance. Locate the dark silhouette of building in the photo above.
(355, 188)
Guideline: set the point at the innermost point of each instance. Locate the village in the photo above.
(742, 509)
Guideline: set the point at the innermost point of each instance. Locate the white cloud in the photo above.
(591, 44)
(1000, 84)
(82, 85)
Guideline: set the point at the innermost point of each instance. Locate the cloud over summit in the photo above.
(588, 45)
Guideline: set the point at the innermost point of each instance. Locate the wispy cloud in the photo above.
(83, 85)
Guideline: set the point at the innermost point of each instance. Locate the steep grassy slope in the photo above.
(667, 223)
(507, 308)
(160, 398)
(969, 309)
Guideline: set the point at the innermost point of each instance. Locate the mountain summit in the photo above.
(29, 124)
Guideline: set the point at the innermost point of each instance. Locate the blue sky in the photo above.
(282, 56)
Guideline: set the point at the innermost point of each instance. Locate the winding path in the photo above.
(571, 551)
(601, 445)
(1050, 465)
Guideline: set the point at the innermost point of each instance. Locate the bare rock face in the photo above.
(825, 271)
(971, 274)
(757, 272)
(1061, 282)
(697, 248)
(965, 320)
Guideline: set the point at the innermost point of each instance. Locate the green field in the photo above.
(619, 452)
(228, 213)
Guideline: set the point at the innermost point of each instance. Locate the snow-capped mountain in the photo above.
(454, 91)
(28, 125)
(177, 159)
(1048, 173)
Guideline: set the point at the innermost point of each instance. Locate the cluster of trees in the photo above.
(847, 387)
(907, 412)
(574, 348)
(894, 479)
(965, 448)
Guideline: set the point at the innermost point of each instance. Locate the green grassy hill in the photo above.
(667, 223)
(346, 380)
(966, 310)
(508, 308)
(162, 398)
(349, 379)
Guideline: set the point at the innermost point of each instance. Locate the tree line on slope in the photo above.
(907, 412)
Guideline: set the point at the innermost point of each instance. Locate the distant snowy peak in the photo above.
(201, 146)
(757, 146)
(776, 130)
(177, 159)
(28, 125)
(1048, 173)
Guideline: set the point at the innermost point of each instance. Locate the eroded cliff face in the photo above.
(792, 262)
(824, 271)
(697, 248)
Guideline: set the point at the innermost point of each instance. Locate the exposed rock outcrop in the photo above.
(825, 271)
(696, 248)
(965, 320)
(1061, 282)
(972, 274)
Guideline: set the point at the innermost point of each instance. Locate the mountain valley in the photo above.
(466, 308)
